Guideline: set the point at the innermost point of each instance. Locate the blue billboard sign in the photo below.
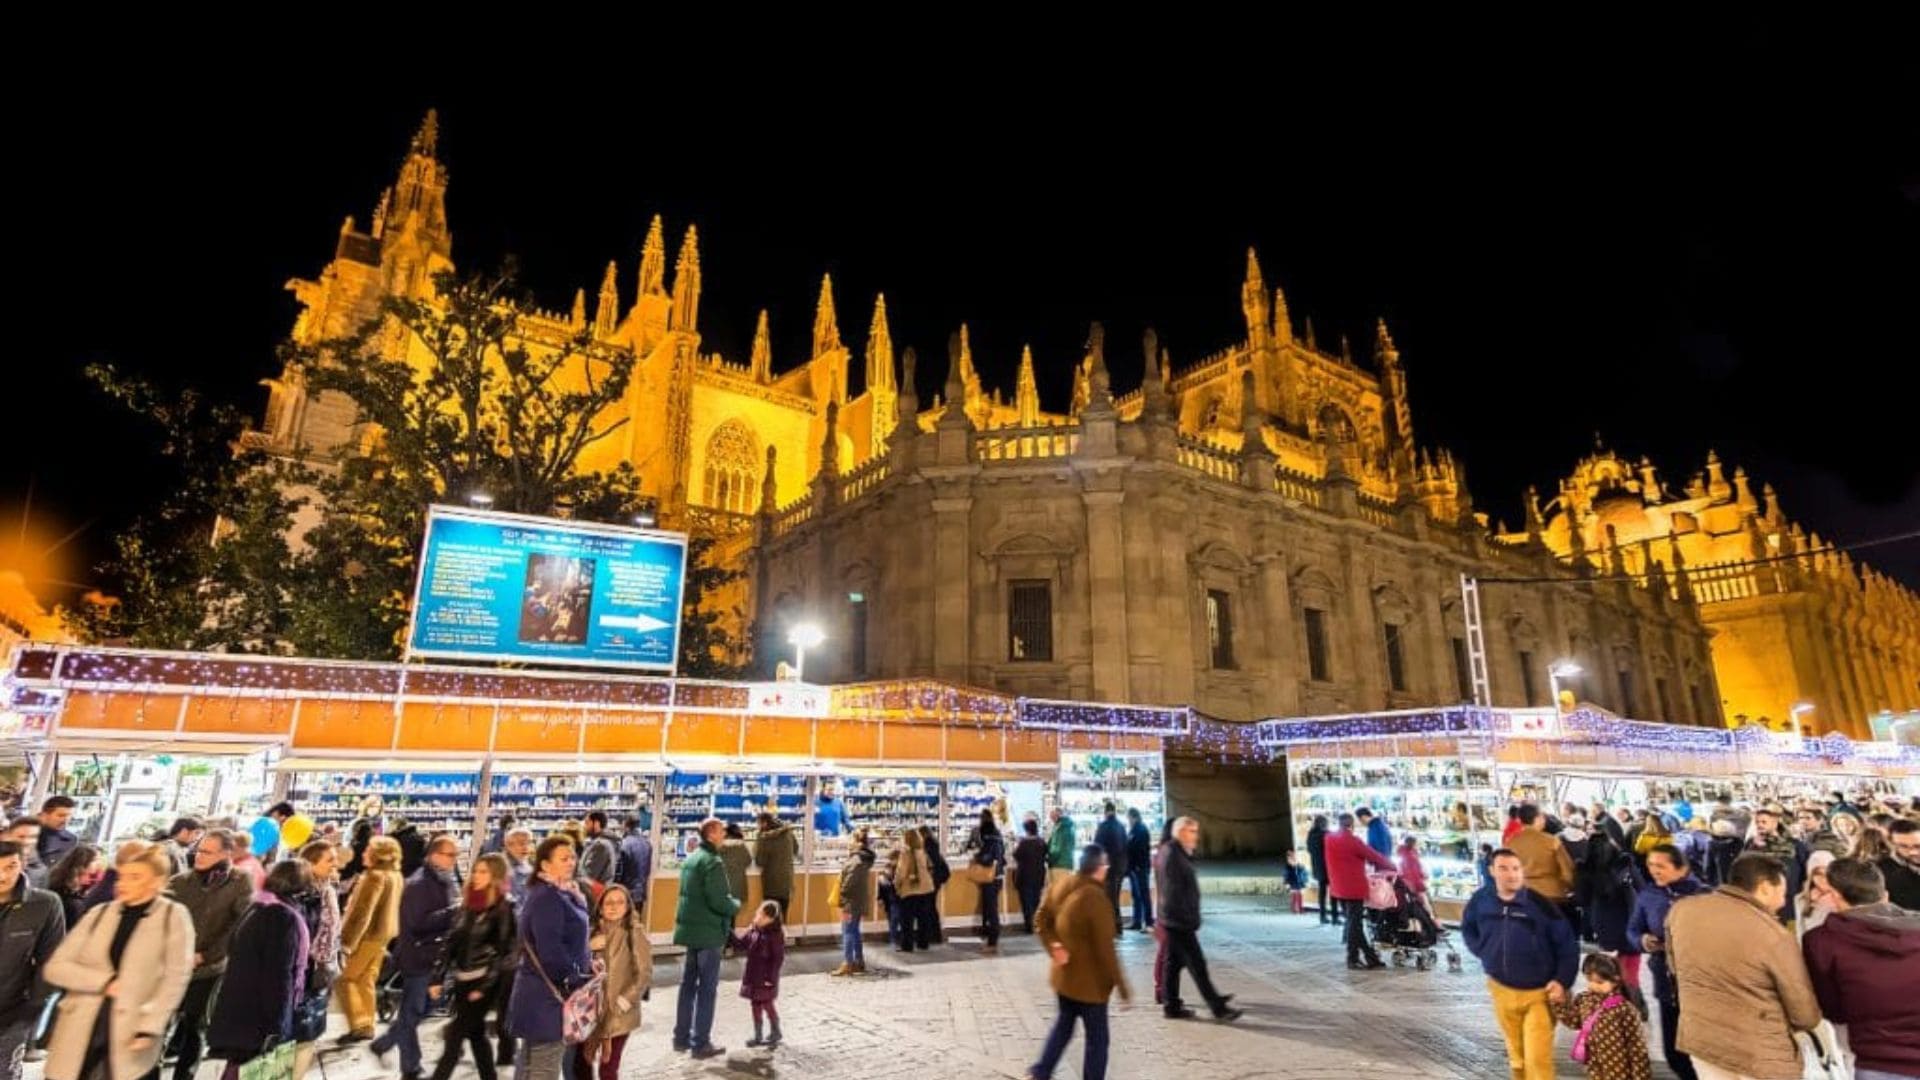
(542, 590)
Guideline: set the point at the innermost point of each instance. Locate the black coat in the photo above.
(1030, 863)
(413, 848)
(31, 925)
(257, 998)
(1139, 847)
(426, 914)
(485, 939)
(1608, 886)
(1179, 891)
(1317, 852)
(1112, 838)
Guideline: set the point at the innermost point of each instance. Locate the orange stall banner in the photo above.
(783, 736)
(966, 743)
(122, 711)
(849, 740)
(704, 733)
(269, 718)
(435, 726)
(1033, 747)
(912, 742)
(530, 729)
(343, 725)
(623, 732)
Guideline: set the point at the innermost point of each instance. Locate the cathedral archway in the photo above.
(731, 481)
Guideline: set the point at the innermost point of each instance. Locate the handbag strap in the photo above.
(1586, 1028)
(526, 946)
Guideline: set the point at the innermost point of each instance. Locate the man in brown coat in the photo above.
(1548, 866)
(1077, 925)
(1743, 985)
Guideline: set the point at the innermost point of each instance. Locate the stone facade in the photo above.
(1793, 621)
(1258, 533)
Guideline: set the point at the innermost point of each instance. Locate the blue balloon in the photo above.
(266, 835)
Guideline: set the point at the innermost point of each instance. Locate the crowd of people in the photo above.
(1756, 925)
(1770, 937)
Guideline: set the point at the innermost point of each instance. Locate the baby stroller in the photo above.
(391, 986)
(1402, 926)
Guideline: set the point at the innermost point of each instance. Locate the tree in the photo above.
(458, 400)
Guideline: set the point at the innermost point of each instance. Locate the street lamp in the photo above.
(1560, 669)
(480, 499)
(805, 636)
(644, 519)
(1802, 707)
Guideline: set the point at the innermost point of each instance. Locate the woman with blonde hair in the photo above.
(124, 968)
(371, 921)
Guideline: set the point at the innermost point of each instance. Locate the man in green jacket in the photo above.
(1062, 851)
(702, 924)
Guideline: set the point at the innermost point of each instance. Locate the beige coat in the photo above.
(153, 976)
(1744, 988)
(1549, 867)
(373, 909)
(629, 962)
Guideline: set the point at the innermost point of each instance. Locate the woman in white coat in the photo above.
(124, 968)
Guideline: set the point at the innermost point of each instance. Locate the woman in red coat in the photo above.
(1348, 857)
(1411, 871)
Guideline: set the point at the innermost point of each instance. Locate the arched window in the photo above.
(732, 479)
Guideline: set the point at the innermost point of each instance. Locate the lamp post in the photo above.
(805, 636)
(480, 499)
(1802, 707)
(1560, 669)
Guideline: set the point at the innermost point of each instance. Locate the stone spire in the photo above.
(1282, 320)
(1026, 390)
(769, 489)
(826, 325)
(653, 260)
(686, 283)
(969, 377)
(954, 415)
(908, 403)
(1536, 525)
(830, 441)
(1099, 385)
(1153, 386)
(879, 348)
(426, 141)
(1253, 302)
(761, 362)
(606, 315)
(579, 316)
(1616, 557)
(1311, 343)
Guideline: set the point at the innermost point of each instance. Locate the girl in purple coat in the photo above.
(765, 947)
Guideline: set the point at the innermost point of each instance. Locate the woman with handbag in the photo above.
(987, 871)
(266, 971)
(621, 948)
(320, 906)
(554, 960)
(124, 969)
(479, 950)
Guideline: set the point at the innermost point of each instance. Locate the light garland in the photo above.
(1052, 715)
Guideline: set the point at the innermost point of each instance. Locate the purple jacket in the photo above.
(266, 976)
(553, 928)
(766, 951)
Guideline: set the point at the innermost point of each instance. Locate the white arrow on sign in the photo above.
(637, 623)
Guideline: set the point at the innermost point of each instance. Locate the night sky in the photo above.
(1706, 237)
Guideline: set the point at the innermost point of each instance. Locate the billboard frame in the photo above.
(437, 511)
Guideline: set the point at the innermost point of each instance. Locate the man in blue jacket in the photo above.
(636, 863)
(1530, 954)
(427, 907)
(1379, 837)
(1672, 880)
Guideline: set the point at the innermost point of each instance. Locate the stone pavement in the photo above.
(956, 1013)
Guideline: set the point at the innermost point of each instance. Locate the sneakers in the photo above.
(1179, 1012)
(1228, 1016)
(702, 1053)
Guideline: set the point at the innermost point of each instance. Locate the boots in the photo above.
(845, 968)
(757, 1039)
(773, 1039)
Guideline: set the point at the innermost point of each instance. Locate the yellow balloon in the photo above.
(296, 830)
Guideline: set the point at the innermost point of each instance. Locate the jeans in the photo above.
(990, 913)
(469, 1025)
(1029, 901)
(1668, 995)
(1183, 951)
(196, 1009)
(1113, 897)
(541, 1061)
(896, 915)
(404, 1032)
(1094, 1065)
(852, 947)
(1141, 888)
(1355, 913)
(13, 1046)
(693, 1012)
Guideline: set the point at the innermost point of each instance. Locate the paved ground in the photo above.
(955, 1013)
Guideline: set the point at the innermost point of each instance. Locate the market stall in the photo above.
(452, 748)
(1446, 775)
